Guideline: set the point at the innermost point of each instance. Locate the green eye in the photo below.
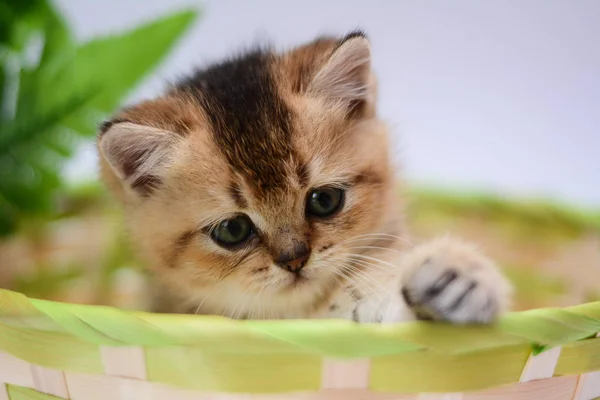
(324, 202)
(233, 232)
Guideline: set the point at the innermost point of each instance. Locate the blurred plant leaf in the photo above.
(62, 95)
(110, 67)
(121, 61)
(47, 281)
(2, 82)
(28, 162)
(15, 16)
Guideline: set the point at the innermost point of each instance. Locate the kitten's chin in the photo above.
(295, 283)
(297, 280)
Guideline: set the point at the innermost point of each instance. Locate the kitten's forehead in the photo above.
(249, 121)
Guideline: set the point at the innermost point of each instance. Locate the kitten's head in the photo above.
(249, 181)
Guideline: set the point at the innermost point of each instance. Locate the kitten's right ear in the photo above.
(137, 154)
(347, 75)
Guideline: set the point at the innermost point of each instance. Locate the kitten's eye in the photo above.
(324, 202)
(232, 232)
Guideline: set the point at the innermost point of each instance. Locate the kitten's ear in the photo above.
(346, 75)
(137, 154)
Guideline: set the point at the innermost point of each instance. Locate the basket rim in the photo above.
(211, 353)
(104, 325)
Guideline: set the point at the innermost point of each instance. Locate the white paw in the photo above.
(449, 280)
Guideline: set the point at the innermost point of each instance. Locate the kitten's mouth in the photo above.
(297, 280)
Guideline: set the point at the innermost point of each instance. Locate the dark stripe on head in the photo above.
(250, 122)
(236, 194)
(179, 246)
(184, 239)
(367, 177)
(302, 172)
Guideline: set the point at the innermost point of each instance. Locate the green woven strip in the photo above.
(103, 325)
(31, 335)
(194, 368)
(550, 327)
(96, 325)
(21, 393)
(219, 354)
(333, 338)
(51, 349)
(579, 357)
(432, 372)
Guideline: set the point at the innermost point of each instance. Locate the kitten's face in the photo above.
(246, 186)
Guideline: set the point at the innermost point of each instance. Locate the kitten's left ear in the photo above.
(347, 75)
(137, 154)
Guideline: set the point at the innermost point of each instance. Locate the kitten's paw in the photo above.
(449, 280)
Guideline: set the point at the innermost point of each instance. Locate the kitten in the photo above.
(262, 187)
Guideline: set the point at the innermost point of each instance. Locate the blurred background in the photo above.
(494, 108)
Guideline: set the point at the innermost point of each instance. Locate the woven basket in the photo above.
(51, 350)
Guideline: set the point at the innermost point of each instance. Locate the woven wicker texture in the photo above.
(89, 352)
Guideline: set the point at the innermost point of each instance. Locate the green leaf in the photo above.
(57, 38)
(30, 151)
(47, 281)
(40, 90)
(12, 14)
(23, 130)
(64, 96)
(8, 217)
(2, 89)
(116, 64)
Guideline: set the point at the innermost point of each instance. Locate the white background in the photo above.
(487, 95)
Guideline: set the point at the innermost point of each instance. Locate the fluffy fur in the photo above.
(253, 136)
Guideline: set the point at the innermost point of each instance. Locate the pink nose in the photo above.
(294, 265)
(293, 261)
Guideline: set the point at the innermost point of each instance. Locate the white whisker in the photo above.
(361, 278)
(369, 265)
(394, 267)
(214, 290)
(376, 248)
(377, 287)
(257, 298)
(375, 236)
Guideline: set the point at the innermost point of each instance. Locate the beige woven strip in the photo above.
(441, 396)
(102, 387)
(128, 362)
(15, 371)
(541, 366)
(588, 387)
(49, 381)
(559, 388)
(3, 392)
(337, 394)
(341, 394)
(345, 374)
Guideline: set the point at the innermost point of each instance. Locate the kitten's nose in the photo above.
(293, 260)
